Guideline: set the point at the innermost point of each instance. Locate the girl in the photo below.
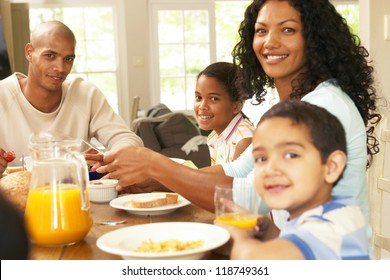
(218, 104)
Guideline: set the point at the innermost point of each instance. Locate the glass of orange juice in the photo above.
(230, 213)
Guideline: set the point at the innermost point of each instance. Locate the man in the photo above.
(45, 100)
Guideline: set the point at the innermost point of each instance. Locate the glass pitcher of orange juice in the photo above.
(57, 208)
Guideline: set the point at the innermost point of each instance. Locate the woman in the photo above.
(303, 49)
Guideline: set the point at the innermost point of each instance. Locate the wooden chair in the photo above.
(134, 109)
(379, 197)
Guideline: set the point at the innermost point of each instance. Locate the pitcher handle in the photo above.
(82, 173)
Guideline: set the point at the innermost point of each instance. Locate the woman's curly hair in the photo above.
(333, 52)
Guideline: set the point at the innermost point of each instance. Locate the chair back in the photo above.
(134, 108)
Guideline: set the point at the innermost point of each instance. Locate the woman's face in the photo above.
(278, 41)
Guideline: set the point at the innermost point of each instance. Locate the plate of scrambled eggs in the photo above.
(169, 241)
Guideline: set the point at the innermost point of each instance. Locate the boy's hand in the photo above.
(265, 229)
(238, 237)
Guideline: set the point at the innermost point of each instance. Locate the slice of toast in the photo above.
(172, 198)
(155, 201)
(148, 202)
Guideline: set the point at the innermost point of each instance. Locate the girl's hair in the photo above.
(333, 52)
(226, 73)
(326, 132)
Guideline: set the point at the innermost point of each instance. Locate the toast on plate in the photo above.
(155, 201)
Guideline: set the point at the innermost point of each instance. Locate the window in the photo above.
(350, 11)
(186, 37)
(183, 49)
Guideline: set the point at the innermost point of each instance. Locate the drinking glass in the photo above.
(229, 212)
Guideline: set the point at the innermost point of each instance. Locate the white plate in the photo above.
(124, 203)
(124, 241)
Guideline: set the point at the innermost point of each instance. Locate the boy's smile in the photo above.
(289, 173)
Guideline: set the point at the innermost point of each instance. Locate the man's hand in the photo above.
(94, 158)
(9, 156)
(5, 157)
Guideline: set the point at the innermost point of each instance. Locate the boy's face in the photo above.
(288, 170)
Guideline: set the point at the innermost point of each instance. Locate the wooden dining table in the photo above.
(87, 248)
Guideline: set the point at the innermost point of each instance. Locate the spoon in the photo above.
(111, 223)
(89, 144)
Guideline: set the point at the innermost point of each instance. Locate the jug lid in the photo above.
(50, 140)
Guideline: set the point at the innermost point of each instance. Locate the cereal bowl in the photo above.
(102, 190)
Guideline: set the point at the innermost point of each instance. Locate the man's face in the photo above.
(51, 60)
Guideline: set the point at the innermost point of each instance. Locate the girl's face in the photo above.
(289, 173)
(213, 106)
(278, 41)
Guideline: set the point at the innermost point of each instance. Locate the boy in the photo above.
(299, 151)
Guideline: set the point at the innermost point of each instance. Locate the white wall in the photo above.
(137, 33)
(372, 33)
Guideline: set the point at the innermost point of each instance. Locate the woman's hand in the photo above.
(149, 185)
(129, 165)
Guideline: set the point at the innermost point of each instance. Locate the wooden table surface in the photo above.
(87, 249)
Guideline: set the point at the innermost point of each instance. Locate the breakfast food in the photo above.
(155, 201)
(96, 182)
(168, 246)
(16, 186)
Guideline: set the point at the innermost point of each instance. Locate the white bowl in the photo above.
(102, 190)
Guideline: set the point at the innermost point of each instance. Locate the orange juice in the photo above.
(56, 218)
(241, 220)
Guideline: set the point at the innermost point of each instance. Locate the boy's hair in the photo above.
(326, 131)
